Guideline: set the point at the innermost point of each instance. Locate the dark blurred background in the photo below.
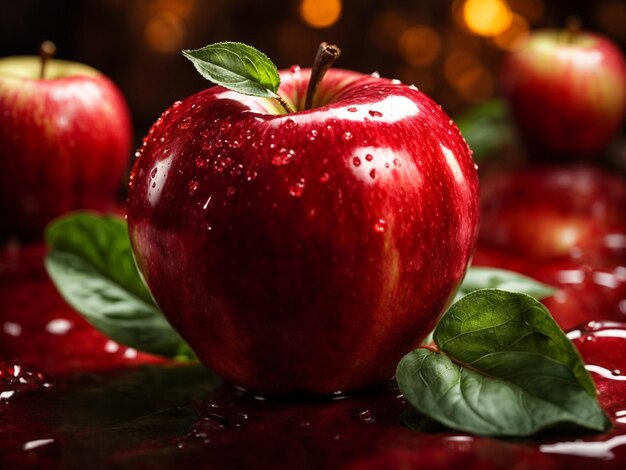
(449, 49)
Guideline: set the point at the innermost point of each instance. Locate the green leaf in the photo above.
(485, 278)
(486, 127)
(504, 369)
(90, 261)
(238, 67)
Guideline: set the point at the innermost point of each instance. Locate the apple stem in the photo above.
(326, 55)
(573, 25)
(47, 50)
(283, 103)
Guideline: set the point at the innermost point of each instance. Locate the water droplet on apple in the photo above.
(250, 175)
(312, 135)
(225, 126)
(397, 162)
(185, 123)
(166, 150)
(380, 225)
(154, 184)
(395, 81)
(200, 162)
(206, 226)
(616, 372)
(248, 134)
(475, 166)
(356, 161)
(138, 154)
(413, 87)
(374, 113)
(297, 189)
(290, 123)
(375, 75)
(230, 191)
(153, 173)
(192, 186)
(236, 170)
(325, 177)
(283, 157)
(235, 144)
(369, 157)
(294, 69)
(352, 109)
(373, 174)
(207, 202)
(17, 377)
(177, 104)
(346, 136)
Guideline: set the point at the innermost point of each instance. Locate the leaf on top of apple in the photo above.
(494, 278)
(503, 368)
(91, 263)
(238, 67)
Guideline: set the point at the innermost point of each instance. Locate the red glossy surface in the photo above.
(38, 327)
(565, 227)
(309, 251)
(64, 145)
(567, 92)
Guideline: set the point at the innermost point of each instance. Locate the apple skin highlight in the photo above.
(65, 143)
(304, 252)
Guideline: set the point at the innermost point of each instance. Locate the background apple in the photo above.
(566, 91)
(305, 251)
(564, 226)
(64, 142)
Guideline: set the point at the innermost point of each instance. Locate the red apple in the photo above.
(565, 227)
(566, 91)
(64, 142)
(306, 251)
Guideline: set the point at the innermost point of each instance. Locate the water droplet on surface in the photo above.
(325, 177)
(352, 109)
(200, 162)
(346, 136)
(365, 415)
(185, 123)
(312, 135)
(192, 186)
(250, 175)
(240, 419)
(166, 150)
(137, 154)
(375, 75)
(153, 173)
(294, 69)
(235, 144)
(154, 184)
(283, 157)
(356, 161)
(230, 191)
(297, 189)
(374, 113)
(225, 126)
(380, 225)
(616, 372)
(17, 377)
(413, 87)
(373, 174)
(395, 81)
(397, 162)
(236, 170)
(369, 157)
(177, 104)
(206, 226)
(475, 166)
(290, 123)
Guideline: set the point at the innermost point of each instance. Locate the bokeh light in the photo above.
(514, 35)
(487, 17)
(320, 13)
(419, 45)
